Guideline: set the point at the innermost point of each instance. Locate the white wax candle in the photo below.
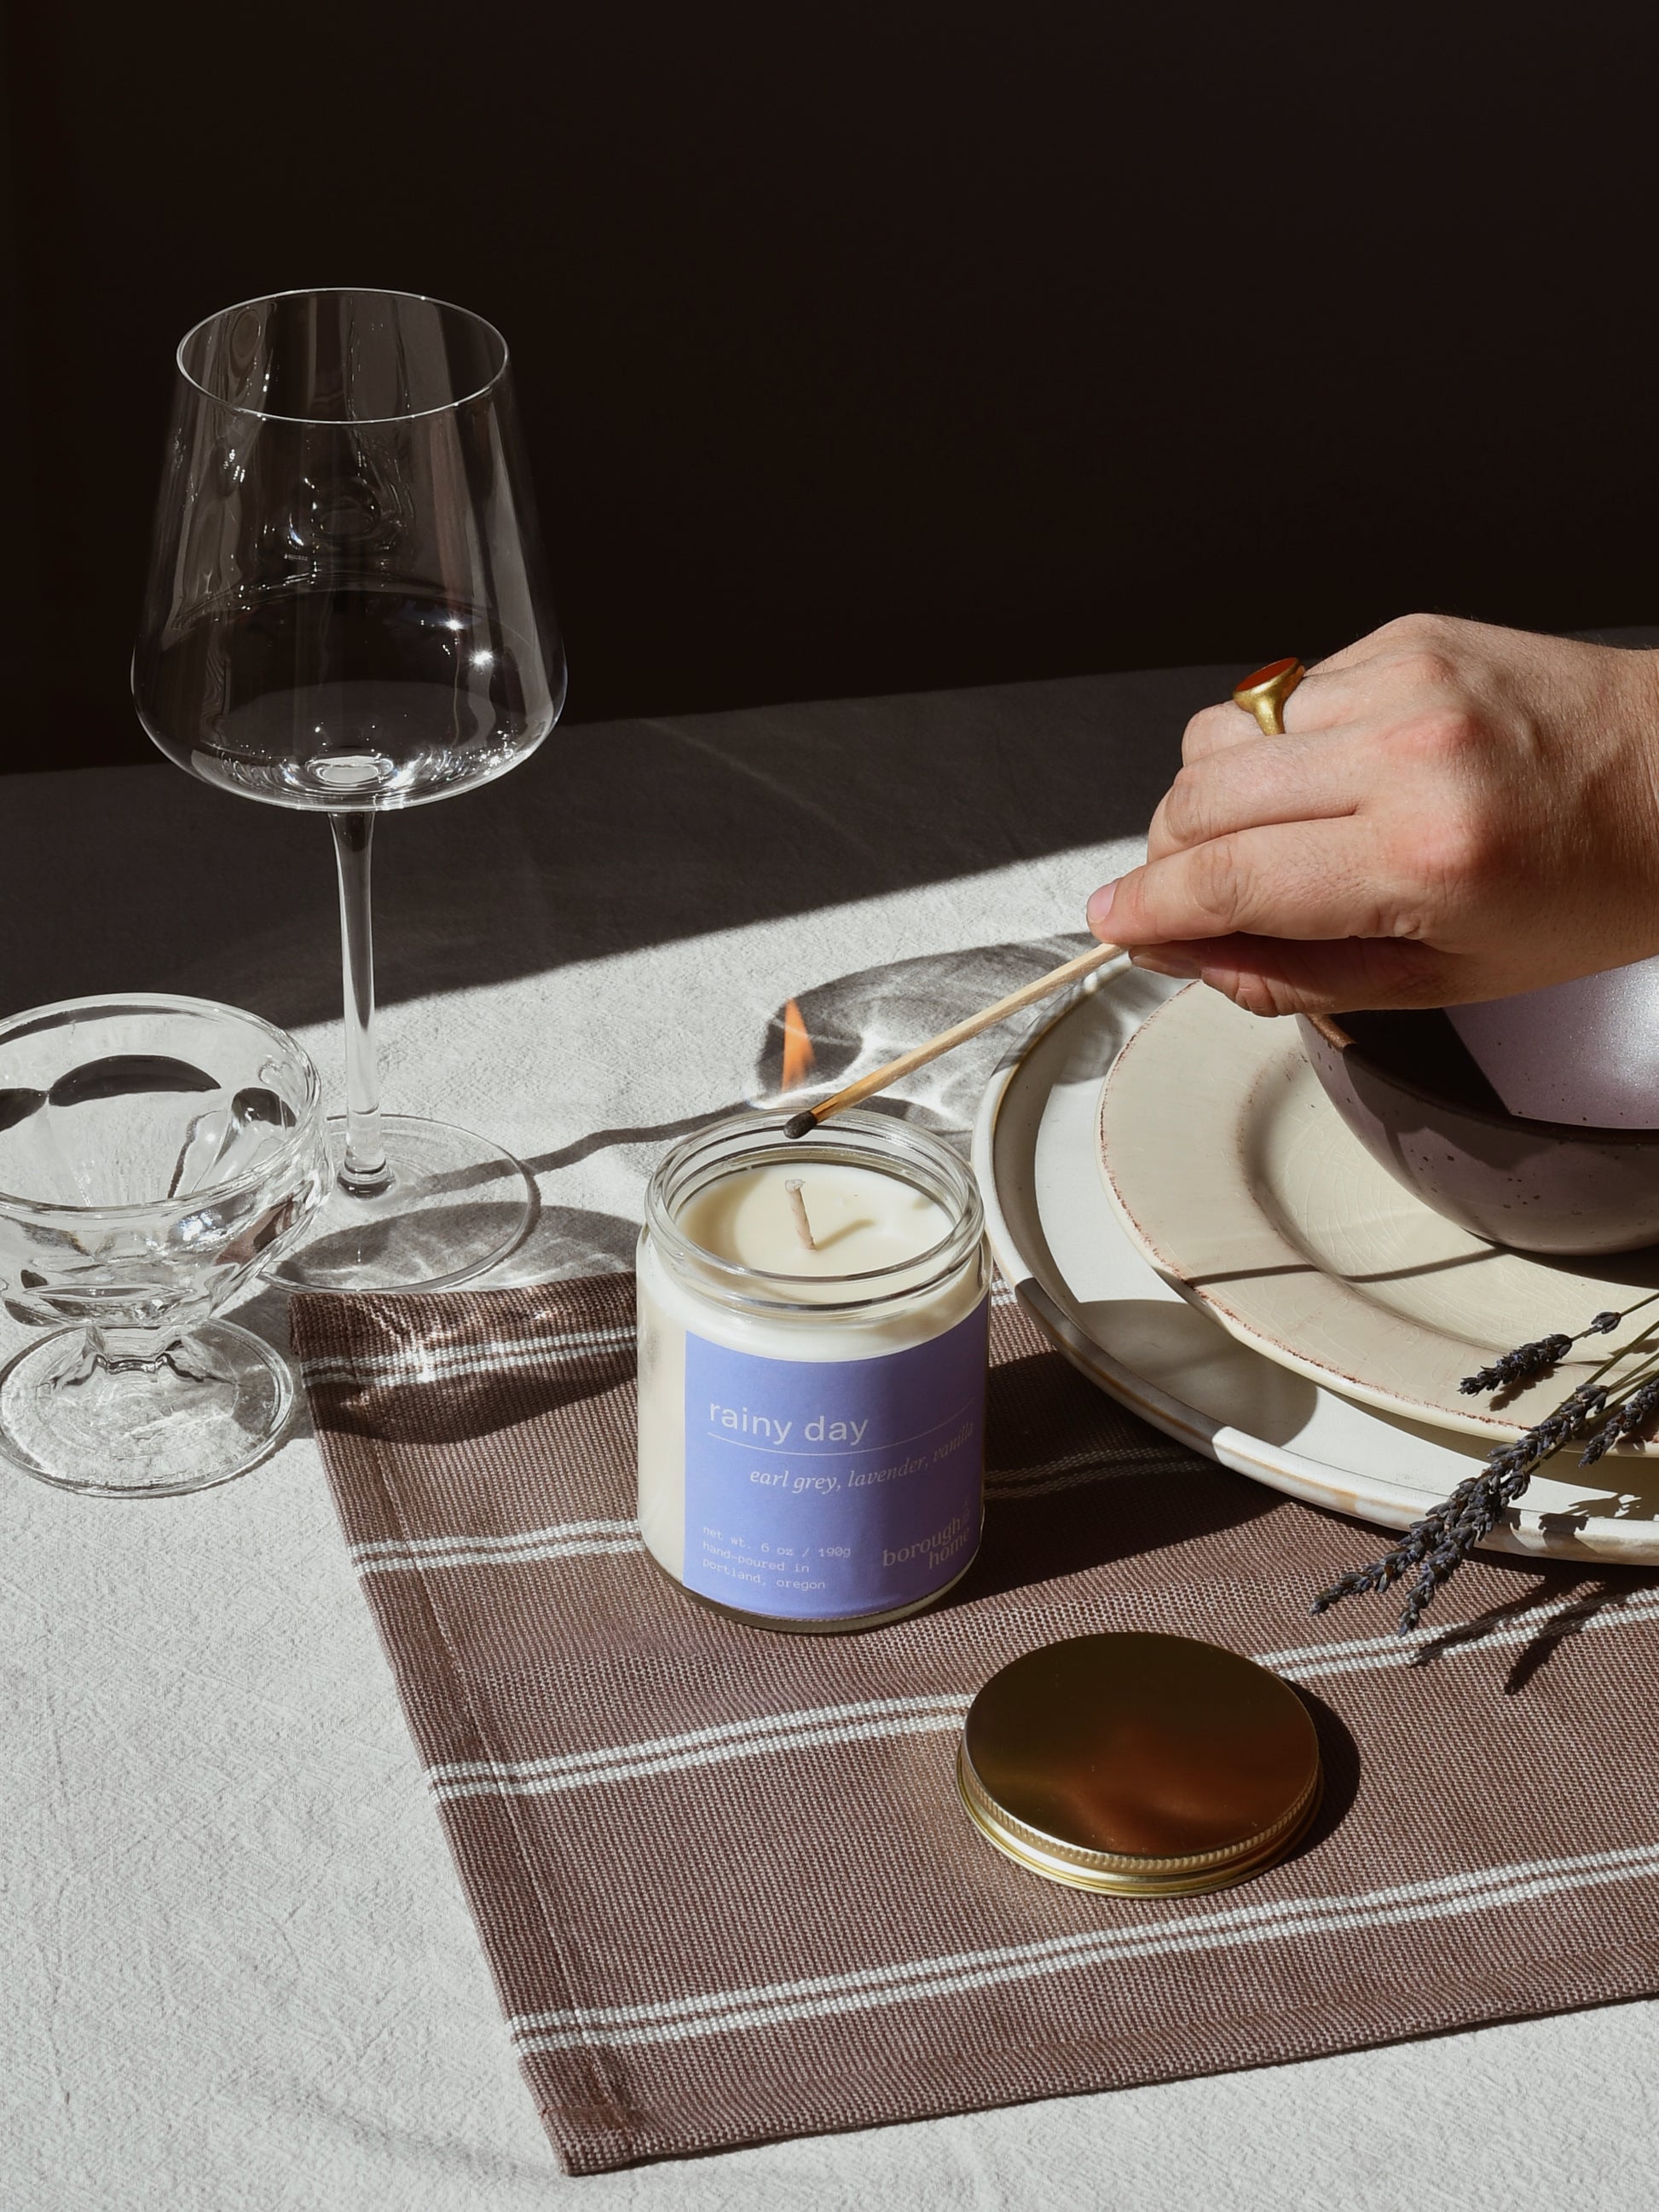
(860, 1219)
(865, 1222)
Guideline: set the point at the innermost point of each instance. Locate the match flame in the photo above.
(799, 1061)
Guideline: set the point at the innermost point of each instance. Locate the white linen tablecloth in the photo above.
(235, 1967)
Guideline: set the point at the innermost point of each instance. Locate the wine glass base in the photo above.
(211, 1407)
(454, 1205)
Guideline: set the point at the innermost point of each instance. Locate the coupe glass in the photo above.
(155, 1153)
(346, 613)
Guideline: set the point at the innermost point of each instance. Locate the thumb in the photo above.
(1284, 976)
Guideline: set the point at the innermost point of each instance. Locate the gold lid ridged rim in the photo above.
(1117, 1872)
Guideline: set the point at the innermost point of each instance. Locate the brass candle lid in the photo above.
(1151, 1765)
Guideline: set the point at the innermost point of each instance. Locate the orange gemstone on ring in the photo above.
(1267, 675)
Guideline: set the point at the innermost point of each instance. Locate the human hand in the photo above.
(1455, 812)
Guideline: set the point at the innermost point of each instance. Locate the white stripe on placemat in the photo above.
(585, 1539)
(813, 1727)
(1540, 1623)
(567, 1540)
(564, 1540)
(775, 2004)
(710, 1746)
(432, 1362)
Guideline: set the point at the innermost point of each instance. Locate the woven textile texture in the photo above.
(723, 1878)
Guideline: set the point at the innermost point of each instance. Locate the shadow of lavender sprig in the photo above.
(1434, 1547)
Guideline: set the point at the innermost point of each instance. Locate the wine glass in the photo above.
(346, 613)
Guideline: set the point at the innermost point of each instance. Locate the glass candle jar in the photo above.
(812, 1333)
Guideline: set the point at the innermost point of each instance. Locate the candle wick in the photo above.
(802, 1225)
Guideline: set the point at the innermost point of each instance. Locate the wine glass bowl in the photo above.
(346, 607)
(155, 1154)
(404, 701)
(346, 614)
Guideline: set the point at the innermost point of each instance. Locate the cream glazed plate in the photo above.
(1246, 1160)
(1240, 1183)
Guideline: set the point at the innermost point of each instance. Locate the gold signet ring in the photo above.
(1264, 694)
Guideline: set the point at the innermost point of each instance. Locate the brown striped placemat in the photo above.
(723, 1878)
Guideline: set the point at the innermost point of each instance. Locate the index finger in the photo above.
(1318, 880)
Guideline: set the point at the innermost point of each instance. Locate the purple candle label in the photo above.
(819, 1489)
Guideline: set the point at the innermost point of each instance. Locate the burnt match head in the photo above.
(802, 1125)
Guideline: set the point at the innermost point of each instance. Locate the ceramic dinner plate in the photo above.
(1092, 1289)
(1240, 1183)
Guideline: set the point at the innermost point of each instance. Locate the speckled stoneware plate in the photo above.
(1239, 1181)
(1089, 1286)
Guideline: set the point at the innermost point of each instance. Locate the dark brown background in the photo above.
(881, 346)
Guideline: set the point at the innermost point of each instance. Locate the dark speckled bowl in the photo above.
(1414, 1094)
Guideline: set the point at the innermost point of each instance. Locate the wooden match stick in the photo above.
(803, 1226)
(947, 1040)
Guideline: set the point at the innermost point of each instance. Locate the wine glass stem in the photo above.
(363, 1172)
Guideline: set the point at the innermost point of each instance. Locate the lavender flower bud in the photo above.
(1511, 1369)
(1632, 1419)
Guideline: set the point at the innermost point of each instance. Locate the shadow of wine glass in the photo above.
(468, 1406)
(432, 1233)
(421, 1371)
(837, 1031)
(566, 1242)
(563, 1243)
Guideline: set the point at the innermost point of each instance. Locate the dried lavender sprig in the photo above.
(1438, 1545)
(1413, 1547)
(1528, 1361)
(1637, 1414)
(1510, 1369)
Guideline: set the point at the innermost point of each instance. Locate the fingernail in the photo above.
(1158, 962)
(1098, 912)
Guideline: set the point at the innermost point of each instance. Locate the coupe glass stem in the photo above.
(363, 1172)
